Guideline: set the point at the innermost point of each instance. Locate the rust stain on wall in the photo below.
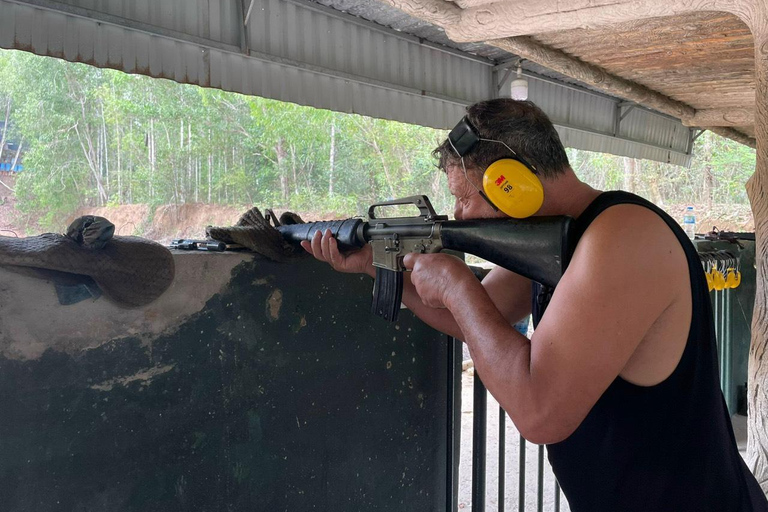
(144, 376)
(274, 303)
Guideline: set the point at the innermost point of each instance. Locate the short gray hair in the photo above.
(522, 126)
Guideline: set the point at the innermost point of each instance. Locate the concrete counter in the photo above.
(249, 385)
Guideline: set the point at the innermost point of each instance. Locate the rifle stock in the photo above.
(536, 248)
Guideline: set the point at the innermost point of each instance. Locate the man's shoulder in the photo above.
(629, 224)
(631, 238)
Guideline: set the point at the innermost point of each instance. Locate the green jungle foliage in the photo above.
(94, 137)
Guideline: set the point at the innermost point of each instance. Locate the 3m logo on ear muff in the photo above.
(513, 188)
(509, 184)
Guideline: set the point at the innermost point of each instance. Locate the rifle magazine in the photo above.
(387, 294)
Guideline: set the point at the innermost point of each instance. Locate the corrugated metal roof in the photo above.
(387, 16)
(586, 120)
(356, 56)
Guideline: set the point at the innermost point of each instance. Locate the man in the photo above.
(620, 377)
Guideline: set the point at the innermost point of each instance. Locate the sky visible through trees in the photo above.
(94, 137)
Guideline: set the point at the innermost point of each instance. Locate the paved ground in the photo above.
(512, 452)
(740, 430)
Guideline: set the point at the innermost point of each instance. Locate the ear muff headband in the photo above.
(463, 137)
(509, 184)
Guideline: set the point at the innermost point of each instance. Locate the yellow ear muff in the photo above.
(733, 279)
(513, 188)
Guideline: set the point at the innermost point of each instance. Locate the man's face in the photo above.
(469, 203)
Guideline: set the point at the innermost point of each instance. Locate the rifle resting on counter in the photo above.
(536, 247)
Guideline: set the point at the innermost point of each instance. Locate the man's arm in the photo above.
(627, 270)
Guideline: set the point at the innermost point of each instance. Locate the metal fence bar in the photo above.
(521, 485)
(718, 330)
(479, 425)
(453, 421)
(502, 456)
(725, 377)
(480, 465)
(540, 497)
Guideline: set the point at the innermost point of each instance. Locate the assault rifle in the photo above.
(536, 248)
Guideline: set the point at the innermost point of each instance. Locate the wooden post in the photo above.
(757, 190)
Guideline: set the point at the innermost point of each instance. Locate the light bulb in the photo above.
(519, 86)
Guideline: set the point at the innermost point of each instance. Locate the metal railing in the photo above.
(505, 493)
(721, 309)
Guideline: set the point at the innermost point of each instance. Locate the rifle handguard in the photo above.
(345, 232)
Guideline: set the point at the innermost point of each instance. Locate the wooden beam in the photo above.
(533, 16)
(722, 117)
(482, 21)
(730, 133)
(468, 4)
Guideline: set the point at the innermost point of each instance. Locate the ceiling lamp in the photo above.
(519, 86)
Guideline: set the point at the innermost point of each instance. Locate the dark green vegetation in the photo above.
(100, 137)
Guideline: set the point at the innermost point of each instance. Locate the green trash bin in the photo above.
(732, 309)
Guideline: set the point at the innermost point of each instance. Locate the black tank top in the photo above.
(668, 447)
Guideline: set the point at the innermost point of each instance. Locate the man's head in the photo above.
(522, 126)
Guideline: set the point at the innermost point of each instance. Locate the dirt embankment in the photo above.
(171, 221)
(165, 223)
(9, 216)
(726, 217)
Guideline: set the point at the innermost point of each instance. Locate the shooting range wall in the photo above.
(249, 385)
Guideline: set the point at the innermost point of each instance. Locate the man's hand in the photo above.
(326, 248)
(437, 276)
